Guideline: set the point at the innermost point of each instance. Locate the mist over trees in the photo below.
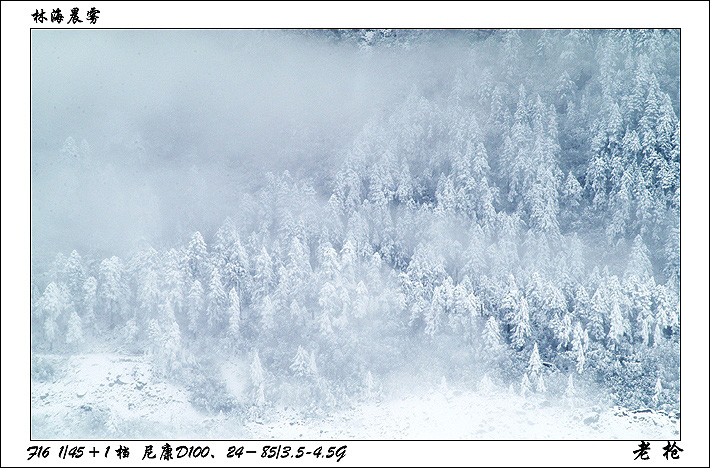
(512, 220)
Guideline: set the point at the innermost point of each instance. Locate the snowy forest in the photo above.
(497, 213)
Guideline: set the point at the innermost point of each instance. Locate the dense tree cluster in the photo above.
(519, 224)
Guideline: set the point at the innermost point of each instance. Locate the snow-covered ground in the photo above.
(469, 415)
(109, 395)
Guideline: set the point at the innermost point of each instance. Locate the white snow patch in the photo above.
(124, 389)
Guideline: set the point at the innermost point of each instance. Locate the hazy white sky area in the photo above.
(178, 123)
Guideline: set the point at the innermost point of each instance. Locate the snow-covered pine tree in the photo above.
(491, 337)
(300, 364)
(50, 308)
(75, 333)
(525, 386)
(597, 314)
(263, 275)
(535, 363)
(405, 186)
(639, 264)
(657, 392)
(657, 336)
(172, 343)
(434, 314)
(444, 386)
(570, 391)
(362, 299)
(258, 381)
(369, 386)
(148, 295)
(563, 330)
(325, 325)
(195, 306)
(75, 277)
(197, 258)
(312, 366)
(578, 347)
(297, 313)
(295, 274)
(486, 386)
(572, 191)
(511, 298)
(540, 386)
(329, 264)
(618, 327)
(234, 315)
(69, 154)
(113, 290)
(666, 306)
(216, 302)
(521, 324)
(89, 303)
(267, 314)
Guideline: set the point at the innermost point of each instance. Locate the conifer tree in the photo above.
(535, 363)
(268, 313)
(216, 302)
(76, 275)
(618, 325)
(434, 315)
(195, 301)
(521, 324)
(361, 303)
(578, 347)
(89, 302)
(172, 346)
(258, 381)
(540, 386)
(234, 314)
(369, 385)
(485, 385)
(572, 191)
(657, 335)
(113, 290)
(491, 336)
(325, 325)
(75, 333)
(312, 366)
(639, 264)
(525, 386)
(570, 391)
(300, 366)
(197, 260)
(657, 392)
(263, 275)
(598, 312)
